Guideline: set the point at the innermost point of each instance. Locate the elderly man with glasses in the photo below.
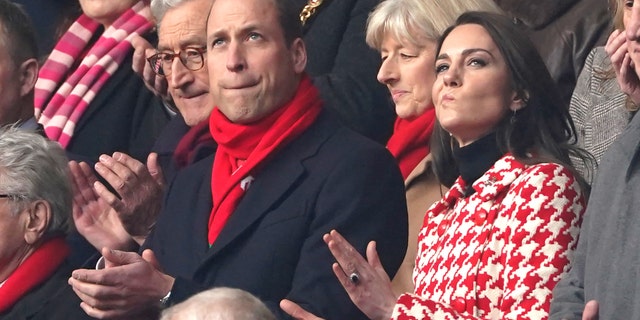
(114, 220)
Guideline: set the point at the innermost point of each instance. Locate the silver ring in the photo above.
(354, 278)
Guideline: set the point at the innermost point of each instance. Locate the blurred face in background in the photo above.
(105, 12)
(407, 71)
(17, 79)
(9, 87)
(631, 22)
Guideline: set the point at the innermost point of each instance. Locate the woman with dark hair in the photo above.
(539, 130)
(499, 240)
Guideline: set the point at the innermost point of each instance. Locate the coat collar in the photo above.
(492, 183)
(419, 170)
(273, 181)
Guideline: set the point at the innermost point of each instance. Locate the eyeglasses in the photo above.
(191, 58)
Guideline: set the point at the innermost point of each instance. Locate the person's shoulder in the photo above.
(545, 174)
(512, 171)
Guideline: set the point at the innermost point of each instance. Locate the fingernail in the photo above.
(104, 158)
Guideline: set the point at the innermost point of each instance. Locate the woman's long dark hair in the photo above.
(541, 131)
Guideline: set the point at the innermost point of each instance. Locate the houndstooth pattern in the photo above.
(498, 253)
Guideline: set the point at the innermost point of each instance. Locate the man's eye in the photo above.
(192, 53)
(165, 57)
(217, 43)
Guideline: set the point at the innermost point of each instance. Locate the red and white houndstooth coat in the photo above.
(498, 253)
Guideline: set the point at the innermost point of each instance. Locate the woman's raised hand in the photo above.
(366, 282)
(624, 68)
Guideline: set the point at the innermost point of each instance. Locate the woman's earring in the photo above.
(513, 117)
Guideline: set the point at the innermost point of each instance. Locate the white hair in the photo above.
(35, 168)
(219, 304)
(160, 7)
(418, 20)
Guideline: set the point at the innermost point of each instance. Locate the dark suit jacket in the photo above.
(344, 68)
(328, 178)
(167, 142)
(124, 116)
(52, 300)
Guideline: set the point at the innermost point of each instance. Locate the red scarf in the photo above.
(190, 143)
(36, 269)
(242, 148)
(62, 93)
(410, 140)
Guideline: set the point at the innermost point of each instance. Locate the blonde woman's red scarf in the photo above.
(409, 143)
(62, 94)
(243, 148)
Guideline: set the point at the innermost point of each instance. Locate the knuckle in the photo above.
(127, 176)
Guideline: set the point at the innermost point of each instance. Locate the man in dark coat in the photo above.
(285, 173)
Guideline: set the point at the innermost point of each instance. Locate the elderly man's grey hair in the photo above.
(35, 168)
(219, 304)
(160, 7)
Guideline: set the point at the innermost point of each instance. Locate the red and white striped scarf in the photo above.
(61, 94)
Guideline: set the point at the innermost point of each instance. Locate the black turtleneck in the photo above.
(476, 158)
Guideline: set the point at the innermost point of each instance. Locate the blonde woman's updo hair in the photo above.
(418, 21)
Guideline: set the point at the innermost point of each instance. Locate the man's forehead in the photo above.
(181, 36)
(241, 13)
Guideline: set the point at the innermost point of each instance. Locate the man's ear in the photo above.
(28, 74)
(37, 220)
(299, 55)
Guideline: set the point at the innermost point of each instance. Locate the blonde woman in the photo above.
(405, 32)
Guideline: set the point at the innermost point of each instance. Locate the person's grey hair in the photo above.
(220, 304)
(34, 168)
(418, 21)
(160, 7)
